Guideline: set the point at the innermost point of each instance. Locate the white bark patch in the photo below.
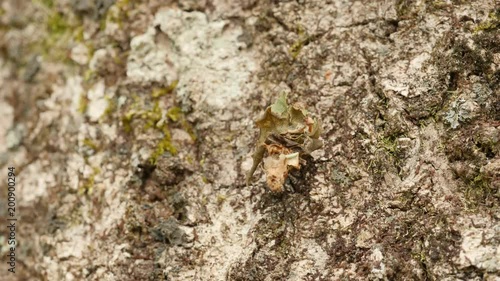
(97, 103)
(212, 67)
(480, 250)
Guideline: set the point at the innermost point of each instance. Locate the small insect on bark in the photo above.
(287, 133)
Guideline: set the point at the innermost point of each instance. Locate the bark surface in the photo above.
(131, 125)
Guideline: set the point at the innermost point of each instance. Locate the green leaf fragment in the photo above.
(280, 107)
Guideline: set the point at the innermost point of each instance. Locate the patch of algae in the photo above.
(158, 119)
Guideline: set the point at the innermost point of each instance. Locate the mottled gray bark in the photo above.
(131, 127)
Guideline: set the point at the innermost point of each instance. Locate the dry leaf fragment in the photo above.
(276, 168)
(286, 134)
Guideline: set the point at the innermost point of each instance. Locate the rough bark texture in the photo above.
(131, 127)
